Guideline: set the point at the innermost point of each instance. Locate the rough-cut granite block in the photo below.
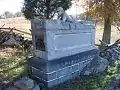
(75, 67)
(59, 70)
(64, 71)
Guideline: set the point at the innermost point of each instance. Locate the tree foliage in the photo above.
(43, 8)
(106, 10)
(7, 14)
(103, 8)
(18, 14)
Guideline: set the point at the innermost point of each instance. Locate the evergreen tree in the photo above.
(43, 9)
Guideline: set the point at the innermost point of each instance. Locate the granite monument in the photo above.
(62, 48)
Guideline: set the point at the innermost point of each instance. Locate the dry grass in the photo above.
(19, 23)
(115, 34)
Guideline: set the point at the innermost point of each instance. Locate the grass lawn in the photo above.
(12, 68)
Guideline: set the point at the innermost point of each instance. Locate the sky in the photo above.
(10, 5)
(16, 5)
(75, 10)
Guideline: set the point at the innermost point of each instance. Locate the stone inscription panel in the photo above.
(72, 40)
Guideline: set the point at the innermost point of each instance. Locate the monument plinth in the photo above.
(62, 49)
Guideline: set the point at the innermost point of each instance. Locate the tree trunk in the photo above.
(48, 9)
(107, 30)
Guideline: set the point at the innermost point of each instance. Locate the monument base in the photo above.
(57, 71)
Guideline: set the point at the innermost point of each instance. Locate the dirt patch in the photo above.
(9, 51)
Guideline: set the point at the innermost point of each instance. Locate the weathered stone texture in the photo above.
(68, 48)
(59, 70)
